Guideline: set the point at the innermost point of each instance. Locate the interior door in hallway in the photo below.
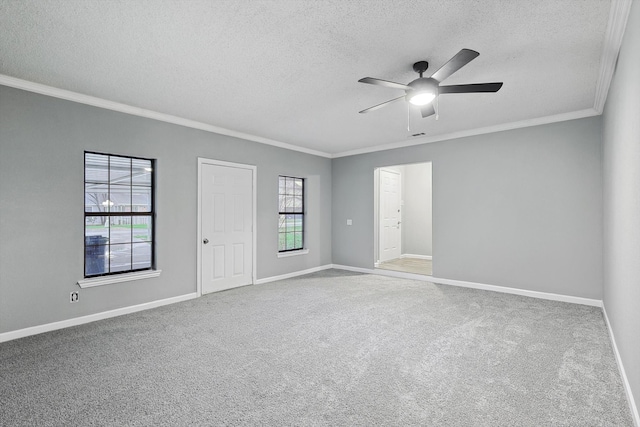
(226, 227)
(389, 215)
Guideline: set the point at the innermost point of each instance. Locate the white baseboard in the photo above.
(494, 288)
(623, 375)
(429, 257)
(516, 291)
(356, 269)
(34, 330)
(293, 274)
(403, 275)
(381, 272)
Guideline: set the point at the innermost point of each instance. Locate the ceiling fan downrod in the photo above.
(420, 67)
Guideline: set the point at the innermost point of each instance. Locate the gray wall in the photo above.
(520, 208)
(42, 143)
(621, 159)
(416, 213)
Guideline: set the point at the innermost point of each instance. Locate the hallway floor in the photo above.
(408, 265)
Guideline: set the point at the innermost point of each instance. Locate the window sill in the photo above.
(117, 278)
(293, 253)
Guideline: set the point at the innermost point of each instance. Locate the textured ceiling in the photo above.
(288, 70)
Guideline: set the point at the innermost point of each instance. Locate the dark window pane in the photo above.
(290, 223)
(289, 186)
(94, 227)
(119, 170)
(141, 228)
(297, 204)
(293, 204)
(96, 168)
(141, 255)
(290, 205)
(141, 172)
(119, 257)
(96, 260)
(297, 222)
(96, 241)
(120, 198)
(290, 243)
(96, 197)
(120, 229)
(141, 199)
(115, 184)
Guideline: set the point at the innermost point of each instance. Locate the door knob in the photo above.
(205, 241)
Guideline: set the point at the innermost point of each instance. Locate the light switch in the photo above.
(349, 222)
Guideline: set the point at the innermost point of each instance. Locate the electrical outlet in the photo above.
(75, 296)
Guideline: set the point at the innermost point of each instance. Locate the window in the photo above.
(118, 214)
(291, 218)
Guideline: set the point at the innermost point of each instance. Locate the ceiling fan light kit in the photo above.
(421, 98)
(423, 91)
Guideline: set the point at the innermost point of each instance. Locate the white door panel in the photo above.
(226, 227)
(389, 212)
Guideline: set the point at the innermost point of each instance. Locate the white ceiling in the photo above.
(287, 71)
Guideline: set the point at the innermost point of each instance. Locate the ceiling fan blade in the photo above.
(471, 88)
(461, 59)
(385, 83)
(427, 110)
(375, 107)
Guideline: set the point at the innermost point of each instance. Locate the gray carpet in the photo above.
(331, 348)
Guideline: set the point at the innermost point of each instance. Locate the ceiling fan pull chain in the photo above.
(408, 118)
(437, 108)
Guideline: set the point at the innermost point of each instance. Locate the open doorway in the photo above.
(403, 218)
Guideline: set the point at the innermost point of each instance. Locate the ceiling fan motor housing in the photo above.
(422, 85)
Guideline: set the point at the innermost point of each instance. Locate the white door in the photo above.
(226, 231)
(389, 215)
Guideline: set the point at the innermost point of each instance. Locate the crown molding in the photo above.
(618, 15)
(141, 112)
(589, 112)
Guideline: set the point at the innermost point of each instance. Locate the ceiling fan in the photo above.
(424, 90)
